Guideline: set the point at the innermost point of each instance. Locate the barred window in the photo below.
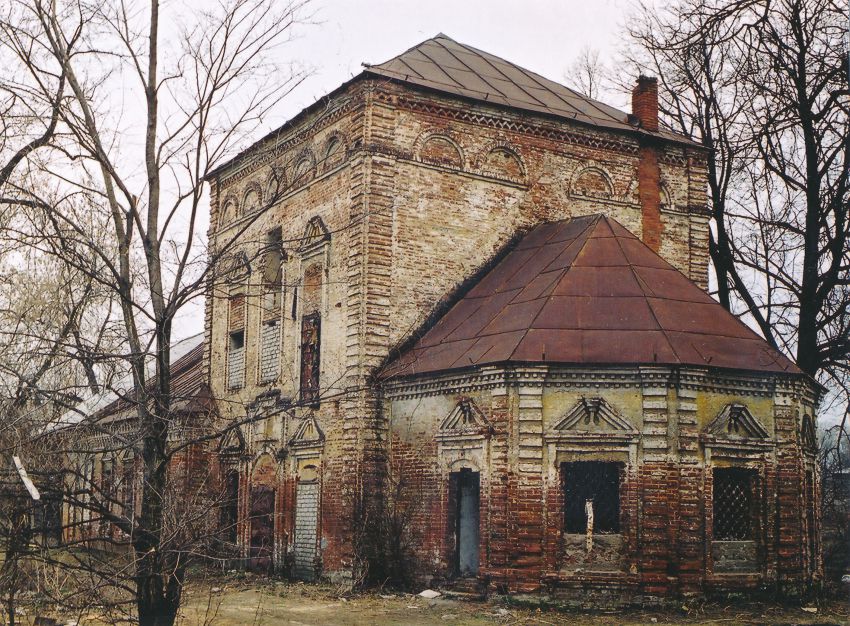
(597, 483)
(734, 504)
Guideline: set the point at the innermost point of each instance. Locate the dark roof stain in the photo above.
(587, 291)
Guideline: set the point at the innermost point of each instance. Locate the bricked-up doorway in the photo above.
(466, 488)
(306, 529)
(262, 529)
(735, 523)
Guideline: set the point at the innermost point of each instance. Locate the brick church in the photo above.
(456, 293)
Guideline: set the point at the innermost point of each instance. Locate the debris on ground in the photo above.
(430, 594)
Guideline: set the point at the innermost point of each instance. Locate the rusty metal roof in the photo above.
(587, 291)
(445, 65)
(189, 392)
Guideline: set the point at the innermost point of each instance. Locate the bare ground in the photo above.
(232, 600)
(251, 602)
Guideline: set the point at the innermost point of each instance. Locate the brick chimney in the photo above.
(645, 102)
(645, 109)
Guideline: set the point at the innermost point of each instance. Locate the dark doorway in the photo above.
(467, 515)
(262, 529)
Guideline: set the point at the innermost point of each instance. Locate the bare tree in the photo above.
(588, 73)
(763, 86)
(131, 106)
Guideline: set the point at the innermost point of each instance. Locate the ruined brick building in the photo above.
(456, 276)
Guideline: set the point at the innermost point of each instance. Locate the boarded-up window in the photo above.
(734, 504)
(593, 484)
(269, 351)
(310, 355)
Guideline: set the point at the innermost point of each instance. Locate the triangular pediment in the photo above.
(594, 415)
(736, 422)
(308, 433)
(316, 232)
(267, 404)
(232, 442)
(465, 418)
(808, 437)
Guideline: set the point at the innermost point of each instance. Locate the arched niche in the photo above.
(275, 184)
(593, 182)
(252, 199)
(503, 162)
(304, 169)
(229, 211)
(333, 152)
(441, 150)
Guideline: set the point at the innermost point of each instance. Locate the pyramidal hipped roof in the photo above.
(587, 291)
(445, 65)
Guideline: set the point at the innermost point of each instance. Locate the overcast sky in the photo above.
(541, 35)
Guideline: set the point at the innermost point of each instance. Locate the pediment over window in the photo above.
(308, 434)
(232, 442)
(315, 233)
(235, 267)
(808, 437)
(736, 422)
(594, 416)
(465, 419)
(267, 404)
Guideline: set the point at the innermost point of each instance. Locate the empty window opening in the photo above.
(591, 485)
(230, 507)
(734, 505)
(236, 359)
(310, 358)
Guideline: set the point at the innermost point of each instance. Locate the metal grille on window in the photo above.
(595, 481)
(733, 504)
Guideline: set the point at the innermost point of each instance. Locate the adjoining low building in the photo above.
(587, 420)
(104, 470)
(584, 374)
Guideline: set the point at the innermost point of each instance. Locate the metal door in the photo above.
(468, 515)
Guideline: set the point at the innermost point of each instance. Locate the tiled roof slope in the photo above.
(587, 291)
(443, 64)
